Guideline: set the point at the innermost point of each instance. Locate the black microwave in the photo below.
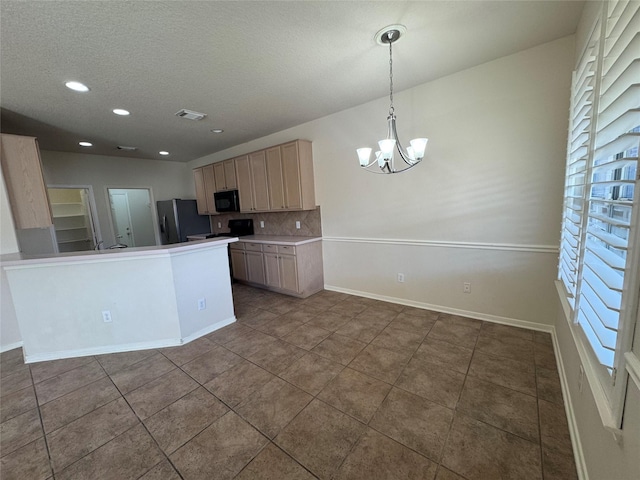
(227, 201)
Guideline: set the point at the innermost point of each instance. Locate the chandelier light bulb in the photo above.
(363, 155)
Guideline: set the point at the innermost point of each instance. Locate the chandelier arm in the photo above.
(403, 155)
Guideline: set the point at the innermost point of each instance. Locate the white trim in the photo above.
(511, 247)
(208, 329)
(590, 369)
(85, 352)
(633, 367)
(578, 453)
(10, 346)
(514, 322)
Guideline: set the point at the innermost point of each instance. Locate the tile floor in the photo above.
(333, 386)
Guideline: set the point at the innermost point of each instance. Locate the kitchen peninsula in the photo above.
(89, 303)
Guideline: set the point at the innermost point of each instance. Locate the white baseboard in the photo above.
(10, 346)
(578, 453)
(514, 322)
(207, 330)
(128, 347)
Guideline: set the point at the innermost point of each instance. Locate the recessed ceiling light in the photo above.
(217, 130)
(120, 111)
(163, 152)
(77, 86)
(85, 144)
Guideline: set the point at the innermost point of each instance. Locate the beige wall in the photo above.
(484, 206)
(165, 179)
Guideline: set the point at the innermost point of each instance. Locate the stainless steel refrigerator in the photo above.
(179, 218)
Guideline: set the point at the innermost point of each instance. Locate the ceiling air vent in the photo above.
(128, 149)
(190, 114)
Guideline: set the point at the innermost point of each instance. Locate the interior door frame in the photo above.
(92, 207)
(154, 209)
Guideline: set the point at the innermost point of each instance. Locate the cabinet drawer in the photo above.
(236, 246)
(270, 248)
(253, 247)
(288, 249)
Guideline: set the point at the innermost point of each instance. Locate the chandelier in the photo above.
(384, 161)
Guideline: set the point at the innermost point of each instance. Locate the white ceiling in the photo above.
(253, 67)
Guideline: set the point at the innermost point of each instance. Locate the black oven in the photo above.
(227, 201)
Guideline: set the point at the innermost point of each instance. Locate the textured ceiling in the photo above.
(253, 67)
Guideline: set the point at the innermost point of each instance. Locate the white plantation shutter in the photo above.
(577, 158)
(597, 264)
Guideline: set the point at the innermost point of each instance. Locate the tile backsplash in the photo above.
(275, 223)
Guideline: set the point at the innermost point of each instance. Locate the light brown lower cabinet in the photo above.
(289, 269)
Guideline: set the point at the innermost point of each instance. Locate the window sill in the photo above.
(597, 391)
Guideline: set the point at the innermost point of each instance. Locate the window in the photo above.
(598, 265)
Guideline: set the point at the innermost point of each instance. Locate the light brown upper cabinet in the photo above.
(276, 179)
(290, 169)
(251, 174)
(22, 171)
(225, 174)
(205, 186)
(297, 174)
(201, 196)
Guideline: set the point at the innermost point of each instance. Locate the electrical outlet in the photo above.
(298, 224)
(219, 224)
(106, 316)
(261, 223)
(466, 287)
(401, 277)
(202, 304)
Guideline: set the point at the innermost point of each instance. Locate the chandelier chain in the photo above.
(390, 77)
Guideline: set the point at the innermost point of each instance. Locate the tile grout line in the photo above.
(44, 435)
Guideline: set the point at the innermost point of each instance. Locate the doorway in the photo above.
(132, 216)
(73, 210)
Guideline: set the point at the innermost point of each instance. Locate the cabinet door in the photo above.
(238, 265)
(274, 172)
(209, 187)
(258, 164)
(255, 267)
(218, 173)
(243, 176)
(288, 272)
(22, 171)
(201, 195)
(230, 174)
(272, 274)
(291, 176)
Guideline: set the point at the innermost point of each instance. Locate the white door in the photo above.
(121, 215)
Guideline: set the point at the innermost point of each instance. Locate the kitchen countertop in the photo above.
(11, 259)
(279, 239)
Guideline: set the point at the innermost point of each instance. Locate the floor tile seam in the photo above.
(90, 452)
(44, 436)
(13, 371)
(129, 364)
(141, 422)
(74, 391)
(281, 428)
(503, 357)
(92, 357)
(191, 360)
(477, 377)
(423, 455)
(23, 411)
(459, 412)
(441, 466)
(423, 397)
(5, 453)
(166, 406)
(146, 382)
